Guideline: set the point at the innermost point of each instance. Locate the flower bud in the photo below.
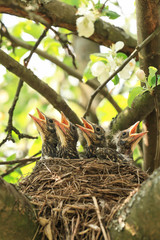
(140, 74)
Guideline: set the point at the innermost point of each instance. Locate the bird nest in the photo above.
(77, 199)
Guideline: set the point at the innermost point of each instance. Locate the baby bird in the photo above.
(127, 140)
(68, 137)
(47, 131)
(95, 137)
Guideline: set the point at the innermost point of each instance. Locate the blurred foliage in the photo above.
(65, 85)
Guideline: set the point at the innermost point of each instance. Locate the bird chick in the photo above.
(125, 142)
(68, 137)
(127, 139)
(95, 137)
(47, 131)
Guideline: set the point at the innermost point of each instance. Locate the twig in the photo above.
(76, 227)
(99, 218)
(12, 169)
(132, 55)
(103, 6)
(64, 42)
(24, 160)
(4, 140)
(10, 126)
(26, 60)
(36, 233)
(21, 163)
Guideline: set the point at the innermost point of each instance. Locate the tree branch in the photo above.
(133, 54)
(37, 84)
(17, 217)
(142, 106)
(24, 160)
(63, 15)
(139, 217)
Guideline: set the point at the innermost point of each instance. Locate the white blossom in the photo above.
(140, 74)
(100, 70)
(117, 46)
(127, 70)
(85, 27)
(85, 23)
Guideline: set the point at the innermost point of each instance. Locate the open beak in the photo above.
(41, 115)
(87, 128)
(64, 124)
(41, 125)
(38, 121)
(134, 137)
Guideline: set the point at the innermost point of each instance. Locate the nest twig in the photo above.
(77, 199)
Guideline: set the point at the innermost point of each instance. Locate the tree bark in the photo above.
(17, 217)
(141, 107)
(148, 15)
(63, 15)
(139, 218)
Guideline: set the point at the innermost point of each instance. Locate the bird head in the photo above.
(127, 140)
(49, 122)
(93, 133)
(66, 131)
(45, 126)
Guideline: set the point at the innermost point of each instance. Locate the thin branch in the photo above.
(99, 218)
(62, 38)
(21, 163)
(43, 35)
(133, 54)
(4, 140)
(12, 169)
(24, 160)
(92, 83)
(10, 126)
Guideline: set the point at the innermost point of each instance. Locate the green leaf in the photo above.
(133, 93)
(98, 57)
(105, 110)
(11, 157)
(18, 53)
(18, 29)
(72, 2)
(33, 29)
(51, 46)
(87, 72)
(13, 177)
(99, 5)
(152, 76)
(121, 55)
(115, 80)
(110, 14)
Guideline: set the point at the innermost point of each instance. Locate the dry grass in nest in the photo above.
(72, 196)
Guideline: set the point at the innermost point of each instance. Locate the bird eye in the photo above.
(124, 134)
(73, 127)
(98, 129)
(50, 120)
